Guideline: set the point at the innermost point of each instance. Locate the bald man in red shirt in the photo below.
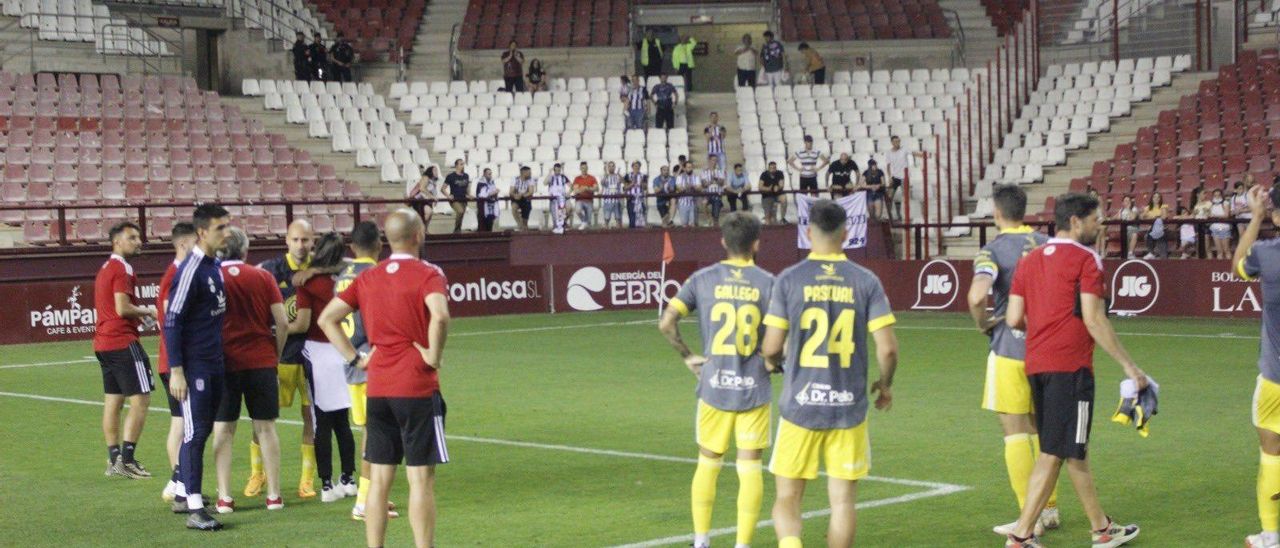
(406, 315)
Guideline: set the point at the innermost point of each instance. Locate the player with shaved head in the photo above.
(299, 240)
(405, 312)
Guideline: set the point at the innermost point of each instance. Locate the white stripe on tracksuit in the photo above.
(441, 448)
(1082, 422)
(144, 379)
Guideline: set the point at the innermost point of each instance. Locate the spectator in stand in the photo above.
(426, 188)
(319, 56)
(809, 162)
(814, 64)
(772, 182)
(650, 48)
(301, 59)
(682, 60)
(713, 179)
(1240, 200)
(343, 57)
(558, 188)
(522, 190)
(513, 68)
(584, 190)
(1129, 212)
(681, 160)
(458, 185)
(714, 132)
(664, 98)
(897, 161)
(636, 101)
(537, 76)
(689, 187)
(486, 201)
(1157, 212)
(843, 177)
(773, 57)
(664, 188)
(737, 189)
(1186, 233)
(1219, 232)
(746, 56)
(636, 183)
(611, 189)
(1100, 246)
(873, 183)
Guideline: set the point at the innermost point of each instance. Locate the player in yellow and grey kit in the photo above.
(1006, 390)
(733, 385)
(820, 312)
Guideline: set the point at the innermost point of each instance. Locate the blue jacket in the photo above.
(193, 319)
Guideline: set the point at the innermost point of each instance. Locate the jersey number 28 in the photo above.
(742, 324)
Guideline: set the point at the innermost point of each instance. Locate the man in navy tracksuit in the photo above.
(193, 335)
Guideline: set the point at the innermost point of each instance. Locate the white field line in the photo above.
(943, 490)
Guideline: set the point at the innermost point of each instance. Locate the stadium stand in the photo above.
(823, 20)
(1231, 127)
(144, 140)
(83, 21)
(1072, 102)
(492, 24)
(378, 29)
(279, 19)
(352, 117)
(1005, 14)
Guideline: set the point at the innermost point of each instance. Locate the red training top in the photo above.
(314, 296)
(163, 296)
(392, 300)
(112, 331)
(1050, 280)
(247, 339)
(588, 184)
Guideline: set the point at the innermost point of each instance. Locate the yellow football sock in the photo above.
(362, 491)
(255, 458)
(1019, 459)
(1035, 452)
(790, 542)
(750, 495)
(308, 461)
(704, 493)
(1268, 486)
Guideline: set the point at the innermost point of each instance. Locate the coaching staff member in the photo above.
(193, 322)
(406, 315)
(1057, 297)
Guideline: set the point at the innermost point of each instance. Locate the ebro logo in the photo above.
(937, 286)
(582, 284)
(1135, 286)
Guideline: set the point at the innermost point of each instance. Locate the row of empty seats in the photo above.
(492, 24)
(278, 19)
(83, 21)
(825, 20)
(377, 29)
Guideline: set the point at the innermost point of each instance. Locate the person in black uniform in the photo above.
(343, 56)
(873, 183)
(843, 176)
(458, 187)
(301, 63)
(319, 55)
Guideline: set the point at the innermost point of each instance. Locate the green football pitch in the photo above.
(577, 430)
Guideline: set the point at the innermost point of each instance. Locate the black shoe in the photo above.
(180, 506)
(134, 470)
(202, 521)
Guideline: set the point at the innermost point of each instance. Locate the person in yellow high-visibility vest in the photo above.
(650, 54)
(682, 60)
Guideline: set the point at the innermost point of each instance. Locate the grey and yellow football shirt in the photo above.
(1263, 263)
(353, 324)
(730, 298)
(828, 305)
(998, 260)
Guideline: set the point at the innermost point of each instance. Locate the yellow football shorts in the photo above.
(293, 379)
(1006, 389)
(750, 428)
(1266, 405)
(846, 452)
(358, 400)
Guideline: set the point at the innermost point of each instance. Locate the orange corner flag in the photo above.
(668, 252)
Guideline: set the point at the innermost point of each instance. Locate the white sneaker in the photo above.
(1009, 528)
(330, 494)
(349, 488)
(558, 231)
(1049, 519)
(1260, 540)
(170, 491)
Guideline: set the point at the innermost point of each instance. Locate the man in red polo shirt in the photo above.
(1057, 297)
(406, 316)
(126, 371)
(183, 238)
(251, 350)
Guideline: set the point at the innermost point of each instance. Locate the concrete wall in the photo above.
(559, 62)
(244, 53)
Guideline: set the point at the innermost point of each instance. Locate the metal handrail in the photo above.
(455, 63)
(955, 17)
(152, 62)
(236, 8)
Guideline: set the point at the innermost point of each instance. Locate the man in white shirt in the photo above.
(809, 162)
(746, 56)
(897, 161)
